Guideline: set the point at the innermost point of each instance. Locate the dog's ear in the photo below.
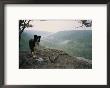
(35, 37)
(39, 37)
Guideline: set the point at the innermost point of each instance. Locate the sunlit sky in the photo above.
(55, 25)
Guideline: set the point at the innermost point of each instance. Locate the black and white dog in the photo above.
(33, 43)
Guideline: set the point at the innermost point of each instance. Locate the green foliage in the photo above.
(75, 43)
(79, 43)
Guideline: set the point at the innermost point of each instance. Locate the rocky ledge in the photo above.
(52, 59)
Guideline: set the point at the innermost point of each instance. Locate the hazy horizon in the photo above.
(56, 25)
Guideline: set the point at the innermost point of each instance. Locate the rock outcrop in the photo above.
(52, 59)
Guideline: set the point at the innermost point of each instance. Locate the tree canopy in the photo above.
(22, 25)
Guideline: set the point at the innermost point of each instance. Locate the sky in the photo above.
(54, 25)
